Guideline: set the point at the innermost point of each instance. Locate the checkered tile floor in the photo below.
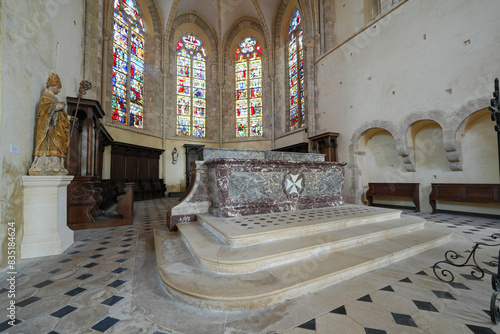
(94, 287)
(419, 303)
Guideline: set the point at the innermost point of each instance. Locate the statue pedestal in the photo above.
(45, 215)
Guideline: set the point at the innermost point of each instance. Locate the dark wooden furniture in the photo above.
(464, 192)
(82, 154)
(403, 190)
(192, 154)
(125, 206)
(138, 164)
(84, 161)
(325, 143)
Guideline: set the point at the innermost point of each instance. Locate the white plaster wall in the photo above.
(349, 18)
(38, 37)
(381, 163)
(175, 174)
(256, 145)
(426, 55)
(393, 70)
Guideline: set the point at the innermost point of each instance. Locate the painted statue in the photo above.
(51, 133)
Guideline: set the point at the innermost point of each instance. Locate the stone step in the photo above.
(252, 230)
(185, 280)
(214, 255)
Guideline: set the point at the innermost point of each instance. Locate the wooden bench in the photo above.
(464, 192)
(403, 190)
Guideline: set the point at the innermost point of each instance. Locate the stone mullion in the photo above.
(93, 51)
(309, 88)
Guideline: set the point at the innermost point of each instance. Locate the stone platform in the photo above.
(249, 262)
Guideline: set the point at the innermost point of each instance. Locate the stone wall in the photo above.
(38, 37)
(93, 47)
(410, 66)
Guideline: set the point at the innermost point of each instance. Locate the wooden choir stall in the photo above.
(140, 165)
(88, 194)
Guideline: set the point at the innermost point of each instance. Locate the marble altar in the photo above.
(231, 183)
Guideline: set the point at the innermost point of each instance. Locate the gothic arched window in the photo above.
(248, 78)
(191, 90)
(296, 73)
(127, 99)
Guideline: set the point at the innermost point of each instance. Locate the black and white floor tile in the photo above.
(420, 303)
(93, 287)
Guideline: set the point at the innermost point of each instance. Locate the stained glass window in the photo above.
(127, 98)
(296, 73)
(191, 89)
(248, 78)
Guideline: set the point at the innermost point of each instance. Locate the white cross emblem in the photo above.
(293, 184)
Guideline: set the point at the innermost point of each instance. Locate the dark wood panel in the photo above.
(138, 164)
(117, 167)
(154, 167)
(403, 190)
(144, 161)
(325, 143)
(464, 192)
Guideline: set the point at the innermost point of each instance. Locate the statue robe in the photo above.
(52, 131)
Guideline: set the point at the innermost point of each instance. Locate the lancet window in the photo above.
(127, 100)
(296, 73)
(191, 90)
(248, 79)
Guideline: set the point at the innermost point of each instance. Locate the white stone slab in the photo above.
(185, 280)
(212, 254)
(252, 230)
(45, 216)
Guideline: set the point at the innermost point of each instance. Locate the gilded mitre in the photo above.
(53, 80)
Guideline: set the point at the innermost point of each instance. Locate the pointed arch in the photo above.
(198, 118)
(248, 87)
(191, 86)
(295, 65)
(247, 119)
(285, 91)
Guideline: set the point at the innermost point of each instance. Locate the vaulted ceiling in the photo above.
(221, 14)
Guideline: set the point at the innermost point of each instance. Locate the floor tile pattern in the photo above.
(94, 285)
(459, 306)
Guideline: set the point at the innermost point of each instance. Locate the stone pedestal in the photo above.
(45, 215)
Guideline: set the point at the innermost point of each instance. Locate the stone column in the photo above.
(45, 214)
